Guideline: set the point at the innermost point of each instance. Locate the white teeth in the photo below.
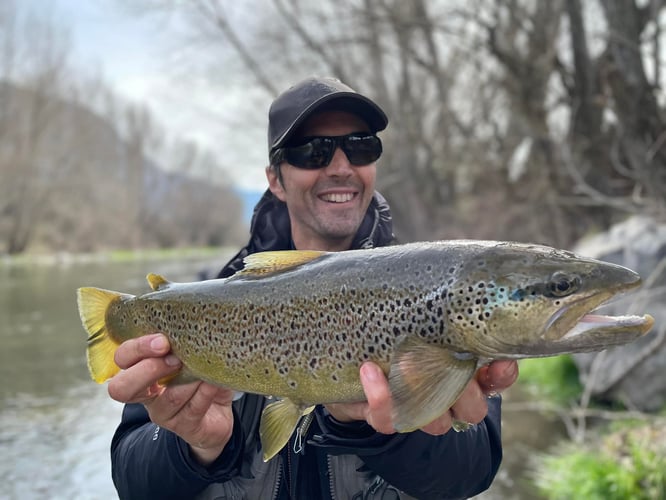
(338, 197)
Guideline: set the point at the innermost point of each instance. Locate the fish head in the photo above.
(519, 300)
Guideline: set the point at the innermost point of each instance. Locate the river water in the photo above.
(56, 424)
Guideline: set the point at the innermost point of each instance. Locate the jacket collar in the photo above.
(270, 229)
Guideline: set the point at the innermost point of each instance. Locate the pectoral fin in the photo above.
(278, 421)
(425, 381)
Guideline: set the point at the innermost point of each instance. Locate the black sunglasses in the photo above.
(317, 152)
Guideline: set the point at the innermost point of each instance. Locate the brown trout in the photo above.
(297, 325)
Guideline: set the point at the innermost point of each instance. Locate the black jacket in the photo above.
(325, 459)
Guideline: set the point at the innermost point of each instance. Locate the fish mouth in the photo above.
(577, 323)
(629, 325)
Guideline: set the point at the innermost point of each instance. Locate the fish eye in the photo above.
(561, 285)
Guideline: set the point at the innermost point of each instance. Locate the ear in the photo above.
(275, 182)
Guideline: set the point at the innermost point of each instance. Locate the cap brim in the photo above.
(342, 101)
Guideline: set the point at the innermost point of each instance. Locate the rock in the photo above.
(632, 374)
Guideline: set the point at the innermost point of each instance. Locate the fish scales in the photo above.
(265, 336)
(298, 325)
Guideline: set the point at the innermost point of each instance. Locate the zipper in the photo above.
(330, 477)
(297, 448)
(278, 480)
(301, 432)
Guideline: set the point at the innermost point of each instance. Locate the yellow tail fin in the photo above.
(93, 303)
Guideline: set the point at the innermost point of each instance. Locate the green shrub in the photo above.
(554, 379)
(629, 463)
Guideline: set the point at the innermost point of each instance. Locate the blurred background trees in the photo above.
(517, 119)
(509, 119)
(82, 171)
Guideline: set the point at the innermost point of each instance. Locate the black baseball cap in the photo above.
(296, 104)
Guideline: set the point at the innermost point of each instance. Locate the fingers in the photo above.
(471, 407)
(440, 425)
(132, 351)
(497, 376)
(196, 398)
(144, 362)
(171, 400)
(198, 412)
(380, 404)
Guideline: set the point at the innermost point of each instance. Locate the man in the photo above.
(191, 441)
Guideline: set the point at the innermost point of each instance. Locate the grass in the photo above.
(119, 255)
(161, 253)
(625, 460)
(629, 461)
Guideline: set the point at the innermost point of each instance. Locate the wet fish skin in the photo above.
(299, 324)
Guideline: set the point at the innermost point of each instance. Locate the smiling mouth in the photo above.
(338, 197)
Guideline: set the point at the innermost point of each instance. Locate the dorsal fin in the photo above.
(264, 263)
(157, 282)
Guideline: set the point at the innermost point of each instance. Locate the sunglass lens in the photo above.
(315, 153)
(362, 150)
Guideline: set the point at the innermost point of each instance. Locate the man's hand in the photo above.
(198, 412)
(470, 407)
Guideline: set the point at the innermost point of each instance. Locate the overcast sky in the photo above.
(140, 63)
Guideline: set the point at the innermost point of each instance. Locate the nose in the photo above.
(339, 166)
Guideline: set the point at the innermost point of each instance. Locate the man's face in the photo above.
(326, 206)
